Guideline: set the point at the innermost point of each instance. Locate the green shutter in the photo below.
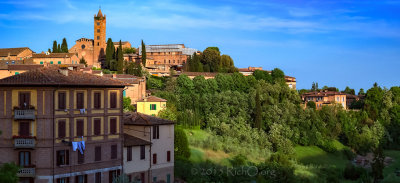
(59, 62)
(41, 62)
(51, 62)
(16, 73)
(155, 107)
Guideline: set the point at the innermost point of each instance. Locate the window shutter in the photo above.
(142, 152)
(81, 157)
(97, 153)
(79, 100)
(154, 158)
(168, 156)
(97, 100)
(154, 132)
(158, 132)
(113, 126)
(67, 157)
(61, 129)
(113, 100)
(79, 128)
(113, 151)
(58, 158)
(129, 153)
(86, 178)
(61, 100)
(97, 126)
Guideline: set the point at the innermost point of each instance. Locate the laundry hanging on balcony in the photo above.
(79, 146)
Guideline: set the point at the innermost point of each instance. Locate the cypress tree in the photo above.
(120, 59)
(55, 49)
(49, 50)
(258, 118)
(143, 54)
(110, 55)
(59, 48)
(64, 46)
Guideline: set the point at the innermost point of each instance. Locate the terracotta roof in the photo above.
(152, 99)
(5, 63)
(322, 93)
(13, 51)
(139, 119)
(24, 66)
(125, 78)
(134, 141)
(99, 14)
(51, 76)
(53, 55)
(209, 74)
(96, 71)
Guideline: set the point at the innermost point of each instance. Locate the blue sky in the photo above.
(335, 43)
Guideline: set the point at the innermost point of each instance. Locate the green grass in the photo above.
(313, 155)
(389, 171)
(200, 155)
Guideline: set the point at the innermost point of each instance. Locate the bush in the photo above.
(352, 172)
(329, 146)
(349, 153)
(181, 144)
(238, 160)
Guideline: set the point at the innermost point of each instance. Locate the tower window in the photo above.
(98, 30)
(83, 46)
(98, 37)
(98, 44)
(98, 23)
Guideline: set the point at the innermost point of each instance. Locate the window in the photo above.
(62, 157)
(63, 180)
(97, 100)
(114, 151)
(24, 128)
(97, 126)
(113, 100)
(81, 179)
(98, 30)
(113, 175)
(16, 73)
(153, 107)
(79, 100)
(156, 132)
(83, 46)
(129, 153)
(13, 62)
(168, 178)
(154, 158)
(124, 93)
(154, 179)
(142, 152)
(61, 100)
(59, 62)
(168, 156)
(98, 177)
(98, 37)
(113, 126)
(51, 62)
(342, 99)
(24, 99)
(98, 23)
(24, 158)
(337, 99)
(97, 153)
(61, 129)
(81, 157)
(79, 128)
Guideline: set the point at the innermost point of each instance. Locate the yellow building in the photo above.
(151, 105)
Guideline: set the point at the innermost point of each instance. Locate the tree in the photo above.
(127, 104)
(55, 48)
(361, 92)
(128, 50)
(49, 50)
(258, 118)
(120, 59)
(348, 90)
(211, 57)
(143, 54)
(378, 164)
(226, 64)
(8, 173)
(83, 61)
(278, 75)
(64, 46)
(311, 104)
(58, 48)
(181, 144)
(110, 52)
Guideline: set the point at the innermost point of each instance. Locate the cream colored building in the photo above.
(154, 136)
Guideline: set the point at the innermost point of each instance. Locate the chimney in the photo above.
(63, 71)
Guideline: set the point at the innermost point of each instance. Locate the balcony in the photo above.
(26, 172)
(21, 142)
(27, 114)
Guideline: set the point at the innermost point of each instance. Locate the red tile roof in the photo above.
(52, 76)
(53, 55)
(139, 119)
(134, 141)
(152, 99)
(322, 93)
(24, 66)
(13, 51)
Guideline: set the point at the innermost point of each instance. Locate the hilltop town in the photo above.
(105, 111)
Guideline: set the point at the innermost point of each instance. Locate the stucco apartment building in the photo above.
(148, 148)
(13, 54)
(44, 111)
(55, 58)
(151, 105)
(325, 97)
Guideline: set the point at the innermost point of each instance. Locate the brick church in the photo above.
(93, 50)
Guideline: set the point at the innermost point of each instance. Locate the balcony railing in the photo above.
(26, 172)
(24, 114)
(24, 142)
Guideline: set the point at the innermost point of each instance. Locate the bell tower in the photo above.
(99, 38)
